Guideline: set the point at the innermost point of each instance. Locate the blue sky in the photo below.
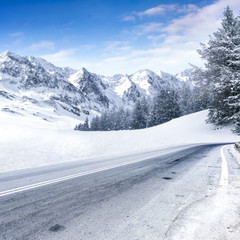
(109, 36)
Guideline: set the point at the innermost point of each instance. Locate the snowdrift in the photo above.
(30, 141)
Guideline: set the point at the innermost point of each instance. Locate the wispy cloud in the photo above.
(62, 57)
(187, 8)
(41, 45)
(16, 34)
(117, 46)
(168, 46)
(87, 47)
(196, 27)
(128, 18)
(142, 29)
(61, 53)
(150, 27)
(17, 38)
(172, 46)
(158, 10)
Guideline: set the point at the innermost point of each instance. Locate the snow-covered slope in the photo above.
(28, 81)
(32, 141)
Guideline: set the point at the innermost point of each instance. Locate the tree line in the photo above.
(166, 105)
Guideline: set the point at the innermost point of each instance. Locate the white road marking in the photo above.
(224, 174)
(224, 177)
(61, 179)
(56, 180)
(223, 180)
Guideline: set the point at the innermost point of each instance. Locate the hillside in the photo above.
(30, 141)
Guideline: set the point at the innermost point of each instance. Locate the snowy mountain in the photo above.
(28, 83)
(185, 75)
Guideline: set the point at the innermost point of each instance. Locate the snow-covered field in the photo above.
(30, 141)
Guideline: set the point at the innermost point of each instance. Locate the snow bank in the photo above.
(27, 142)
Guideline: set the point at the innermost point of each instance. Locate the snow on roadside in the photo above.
(29, 141)
(235, 153)
(216, 216)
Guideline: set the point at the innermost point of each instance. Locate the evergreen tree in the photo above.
(103, 122)
(86, 125)
(152, 119)
(167, 106)
(138, 118)
(126, 120)
(145, 110)
(222, 74)
(186, 103)
(95, 124)
(121, 123)
(82, 127)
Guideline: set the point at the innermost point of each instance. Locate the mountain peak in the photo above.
(147, 71)
(7, 54)
(185, 75)
(144, 73)
(83, 70)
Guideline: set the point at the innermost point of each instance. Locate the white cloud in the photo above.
(17, 41)
(66, 57)
(59, 55)
(146, 28)
(151, 27)
(164, 8)
(169, 47)
(17, 38)
(87, 46)
(166, 59)
(158, 10)
(16, 34)
(115, 59)
(41, 45)
(197, 27)
(128, 18)
(174, 45)
(187, 8)
(117, 47)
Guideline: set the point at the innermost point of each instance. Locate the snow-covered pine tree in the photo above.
(121, 119)
(145, 109)
(138, 118)
(83, 127)
(86, 125)
(185, 103)
(104, 124)
(95, 124)
(222, 73)
(110, 119)
(165, 107)
(152, 119)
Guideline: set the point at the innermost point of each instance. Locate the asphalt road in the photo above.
(134, 201)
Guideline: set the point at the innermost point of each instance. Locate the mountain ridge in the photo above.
(79, 92)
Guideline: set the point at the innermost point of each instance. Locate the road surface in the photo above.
(113, 199)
